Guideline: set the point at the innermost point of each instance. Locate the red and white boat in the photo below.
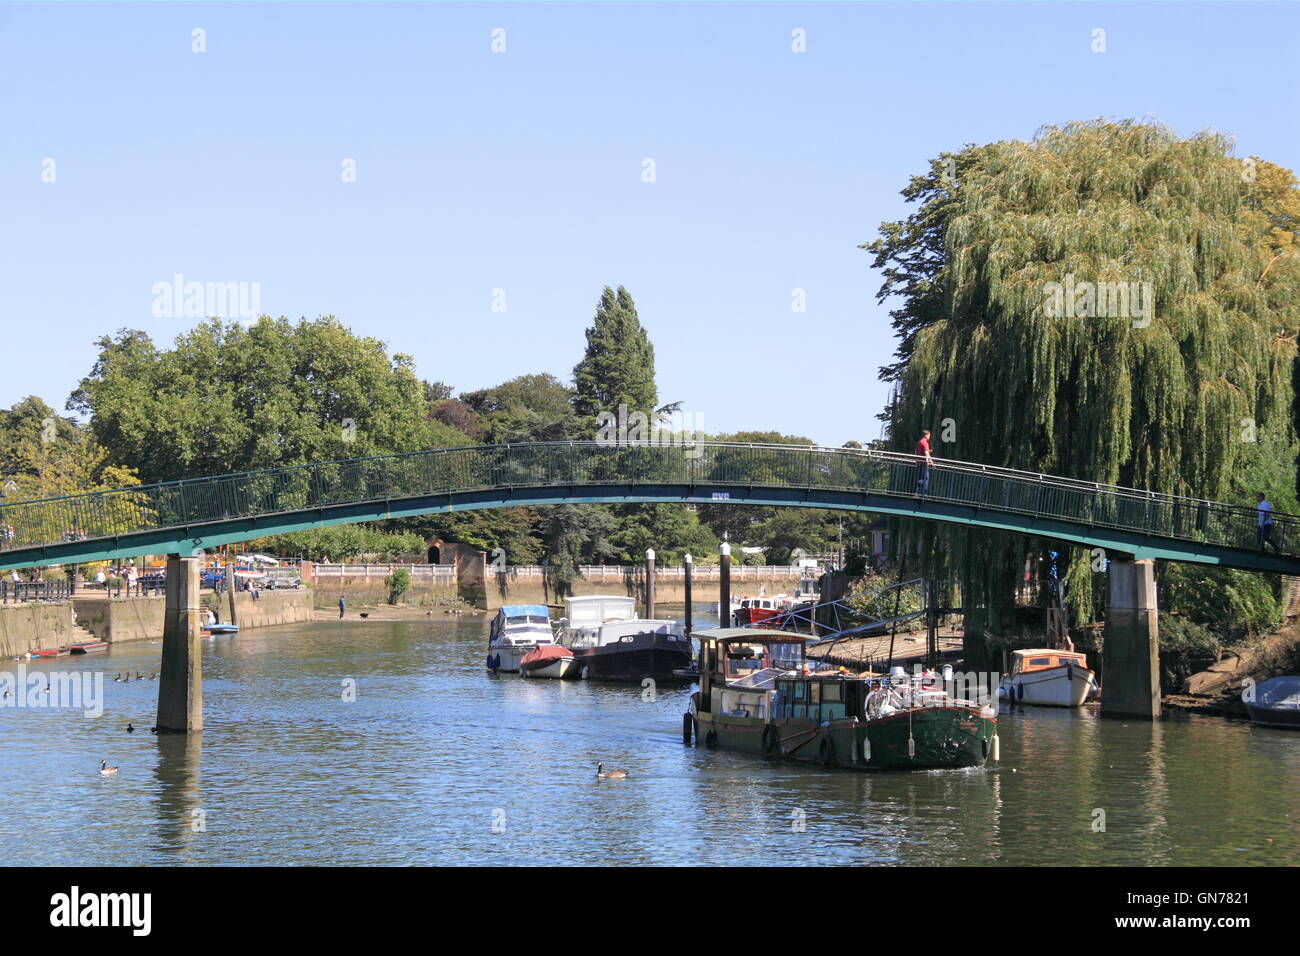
(549, 660)
(759, 611)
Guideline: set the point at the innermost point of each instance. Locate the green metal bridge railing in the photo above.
(302, 488)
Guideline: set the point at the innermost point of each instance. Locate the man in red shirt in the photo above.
(924, 461)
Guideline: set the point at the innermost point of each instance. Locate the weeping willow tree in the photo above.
(1108, 302)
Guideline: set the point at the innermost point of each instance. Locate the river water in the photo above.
(435, 761)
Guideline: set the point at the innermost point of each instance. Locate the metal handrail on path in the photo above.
(640, 468)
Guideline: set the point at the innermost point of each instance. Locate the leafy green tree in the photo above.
(398, 582)
(619, 365)
(45, 455)
(344, 542)
(1155, 400)
(527, 408)
(226, 397)
(671, 529)
(574, 535)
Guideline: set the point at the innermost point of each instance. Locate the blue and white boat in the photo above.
(516, 630)
(1276, 702)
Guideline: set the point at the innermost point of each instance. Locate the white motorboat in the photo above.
(516, 630)
(1048, 678)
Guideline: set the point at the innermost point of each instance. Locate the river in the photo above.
(436, 761)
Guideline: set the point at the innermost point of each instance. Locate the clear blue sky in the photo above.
(522, 170)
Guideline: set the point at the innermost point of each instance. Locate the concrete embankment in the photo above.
(119, 621)
(36, 627)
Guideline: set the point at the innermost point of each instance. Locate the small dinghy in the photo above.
(549, 660)
(211, 629)
(1276, 703)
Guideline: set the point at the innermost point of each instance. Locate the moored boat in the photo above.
(758, 694)
(1276, 702)
(85, 647)
(516, 630)
(1048, 678)
(213, 629)
(550, 660)
(611, 643)
(759, 611)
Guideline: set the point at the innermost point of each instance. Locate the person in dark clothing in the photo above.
(341, 606)
(924, 461)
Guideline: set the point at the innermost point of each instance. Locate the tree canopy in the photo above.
(226, 397)
(1171, 397)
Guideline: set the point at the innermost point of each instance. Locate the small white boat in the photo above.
(1276, 702)
(1048, 678)
(516, 630)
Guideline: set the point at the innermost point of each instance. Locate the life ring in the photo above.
(688, 728)
(771, 740)
(826, 752)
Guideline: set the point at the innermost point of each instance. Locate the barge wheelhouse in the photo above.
(759, 695)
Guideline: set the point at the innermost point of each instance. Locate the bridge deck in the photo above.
(188, 516)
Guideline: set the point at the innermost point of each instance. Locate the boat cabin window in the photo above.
(818, 701)
(1040, 662)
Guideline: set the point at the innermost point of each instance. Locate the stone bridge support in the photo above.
(1131, 654)
(180, 680)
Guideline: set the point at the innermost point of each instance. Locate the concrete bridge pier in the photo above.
(1131, 654)
(180, 680)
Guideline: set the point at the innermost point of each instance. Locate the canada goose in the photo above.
(6, 695)
(153, 676)
(105, 770)
(609, 774)
(117, 679)
(130, 729)
(138, 676)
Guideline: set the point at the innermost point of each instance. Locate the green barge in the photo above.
(758, 695)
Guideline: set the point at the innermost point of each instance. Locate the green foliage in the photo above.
(231, 398)
(398, 582)
(1186, 647)
(870, 601)
(1157, 405)
(343, 542)
(671, 529)
(44, 455)
(574, 535)
(619, 365)
(1231, 604)
(526, 408)
(516, 531)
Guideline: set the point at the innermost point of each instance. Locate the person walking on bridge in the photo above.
(924, 461)
(1264, 532)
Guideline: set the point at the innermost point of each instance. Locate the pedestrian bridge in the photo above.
(186, 517)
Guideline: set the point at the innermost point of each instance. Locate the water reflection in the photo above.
(434, 760)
